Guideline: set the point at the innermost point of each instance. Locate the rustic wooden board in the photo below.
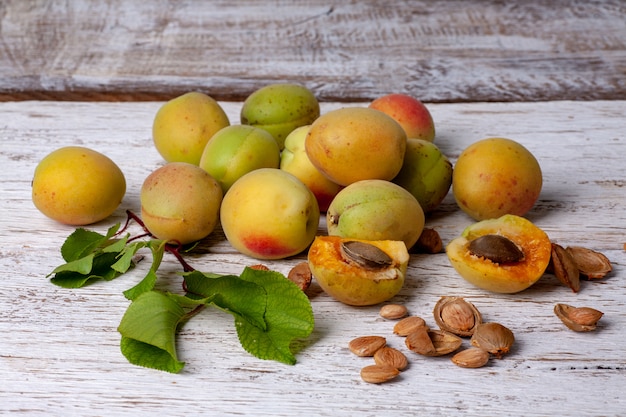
(445, 51)
(60, 355)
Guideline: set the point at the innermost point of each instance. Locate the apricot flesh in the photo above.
(180, 202)
(77, 186)
(352, 284)
(496, 176)
(503, 277)
(354, 143)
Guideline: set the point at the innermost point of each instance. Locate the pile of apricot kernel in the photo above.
(358, 272)
(503, 255)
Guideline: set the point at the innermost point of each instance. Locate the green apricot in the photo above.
(426, 173)
(279, 109)
(375, 210)
(237, 150)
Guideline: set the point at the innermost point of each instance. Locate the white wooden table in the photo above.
(59, 349)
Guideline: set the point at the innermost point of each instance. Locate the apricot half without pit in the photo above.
(358, 272)
(503, 255)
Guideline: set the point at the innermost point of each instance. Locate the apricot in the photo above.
(269, 214)
(375, 210)
(294, 160)
(180, 202)
(359, 278)
(410, 112)
(426, 173)
(356, 143)
(279, 109)
(77, 186)
(236, 150)
(183, 126)
(496, 176)
(512, 256)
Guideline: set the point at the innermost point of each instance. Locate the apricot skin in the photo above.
(351, 284)
(180, 202)
(77, 186)
(426, 173)
(411, 113)
(354, 143)
(502, 278)
(496, 176)
(294, 160)
(375, 210)
(279, 109)
(236, 150)
(269, 214)
(183, 126)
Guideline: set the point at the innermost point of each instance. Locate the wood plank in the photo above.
(447, 51)
(60, 355)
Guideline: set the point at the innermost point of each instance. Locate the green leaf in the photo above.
(81, 242)
(157, 247)
(289, 316)
(148, 331)
(125, 255)
(231, 294)
(70, 277)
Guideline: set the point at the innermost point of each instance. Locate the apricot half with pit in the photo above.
(503, 255)
(358, 272)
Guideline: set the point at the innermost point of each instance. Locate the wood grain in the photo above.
(59, 353)
(446, 51)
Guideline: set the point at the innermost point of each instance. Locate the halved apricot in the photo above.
(358, 272)
(503, 255)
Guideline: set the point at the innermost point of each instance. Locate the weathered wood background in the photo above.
(554, 76)
(438, 51)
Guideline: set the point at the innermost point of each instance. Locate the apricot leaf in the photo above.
(288, 315)
(148, 330)
(231, 294)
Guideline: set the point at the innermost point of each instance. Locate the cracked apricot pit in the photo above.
(358, 272)
(503, 255)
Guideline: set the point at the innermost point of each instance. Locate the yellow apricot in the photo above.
(356, 143)
(77, 186)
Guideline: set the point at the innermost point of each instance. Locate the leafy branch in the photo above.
(269, 311)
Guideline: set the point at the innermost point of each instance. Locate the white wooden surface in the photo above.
(59, 352)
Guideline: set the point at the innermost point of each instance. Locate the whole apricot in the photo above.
(77, 186)
(496, 176)
(359, 277)
(183, 126)
(426, 173)
(236, 150)
(180, 202)
(269, 214)
(375, 210)
(279, 109)
(294, 160)
(411, 113)
(356, 143)
(503, 255)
